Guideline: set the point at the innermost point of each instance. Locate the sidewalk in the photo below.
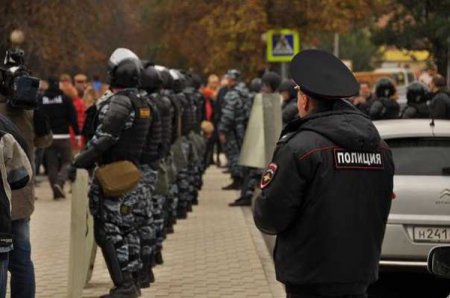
(216, 252)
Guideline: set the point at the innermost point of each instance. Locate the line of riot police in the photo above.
(423, 101)
(151, 117)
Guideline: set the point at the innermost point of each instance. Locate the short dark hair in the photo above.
(439, 81)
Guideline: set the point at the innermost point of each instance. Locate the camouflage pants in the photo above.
(173, 200)
(118, 224)
(251, 180)
(144, 213)
(158, 202)
(233, 149)
(184, 179)
(184, 188)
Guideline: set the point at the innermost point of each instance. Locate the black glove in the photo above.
(72, 175)
(86, 159)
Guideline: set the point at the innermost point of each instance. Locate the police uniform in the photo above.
(232, 124)
(385, 106)
(145, 210)
(123, 123)
(328, 190)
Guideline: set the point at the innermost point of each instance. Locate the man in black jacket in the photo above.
(440, 103)
(61, 114)
(327, 192)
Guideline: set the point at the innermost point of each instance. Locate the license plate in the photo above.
(431, 234)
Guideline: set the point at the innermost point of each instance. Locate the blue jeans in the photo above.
(3, 274)
(20, 265)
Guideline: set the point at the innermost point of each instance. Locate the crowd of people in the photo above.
(232, 102)
(424, 99)
(170, 126)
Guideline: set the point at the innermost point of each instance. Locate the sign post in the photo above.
(282, 45)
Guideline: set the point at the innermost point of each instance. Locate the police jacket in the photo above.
(440, 105)
(327, 195)
(384, 108)
(152, 151)
(420, 110)
(123, 123)
(188, 113)
(232, 118)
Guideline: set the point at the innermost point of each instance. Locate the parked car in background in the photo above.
(420, 213)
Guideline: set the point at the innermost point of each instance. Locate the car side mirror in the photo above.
(439, 261)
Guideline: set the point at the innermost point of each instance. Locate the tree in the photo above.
(418, 25)
(355, 45)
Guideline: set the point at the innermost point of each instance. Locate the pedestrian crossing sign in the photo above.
(282, 45)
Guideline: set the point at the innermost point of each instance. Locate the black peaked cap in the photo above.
(322, 75)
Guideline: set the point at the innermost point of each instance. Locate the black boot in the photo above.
(137, 282)
(159, 258)
(146, 276)
(181, 213)
(169, 229)
(127, 289)
(242, 201)
(189, 207)
(235, 185)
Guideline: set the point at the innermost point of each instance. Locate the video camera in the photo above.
(16, 82)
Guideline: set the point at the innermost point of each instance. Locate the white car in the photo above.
(420, 213)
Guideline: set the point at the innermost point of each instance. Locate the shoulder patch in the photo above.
(144, 113)
(358, 160)
(268, 175)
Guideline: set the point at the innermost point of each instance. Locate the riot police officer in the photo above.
(328, 190)
(175, 135)
(147, 214)
(270, 83)
(385, 106)
(231, 126)
(289, 105)
(417, 96)
(123, 122)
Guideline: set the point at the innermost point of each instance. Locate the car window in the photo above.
(421, 156)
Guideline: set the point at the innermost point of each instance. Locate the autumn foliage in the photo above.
(204, 35)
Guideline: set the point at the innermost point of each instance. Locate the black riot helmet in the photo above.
(233, 74)
(124, 68)
(150, 79)
(179, 82)
(272, 80)
(167, 80)
(288, 86)
(187, 77)
(416, 93)
(196, 81)
(385, 88)
(255, 85)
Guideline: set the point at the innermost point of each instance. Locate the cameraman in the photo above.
(17, 105)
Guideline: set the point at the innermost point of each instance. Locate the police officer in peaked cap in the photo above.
(328, 190)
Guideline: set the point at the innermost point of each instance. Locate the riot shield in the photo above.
(82, 245)
(263, 131)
